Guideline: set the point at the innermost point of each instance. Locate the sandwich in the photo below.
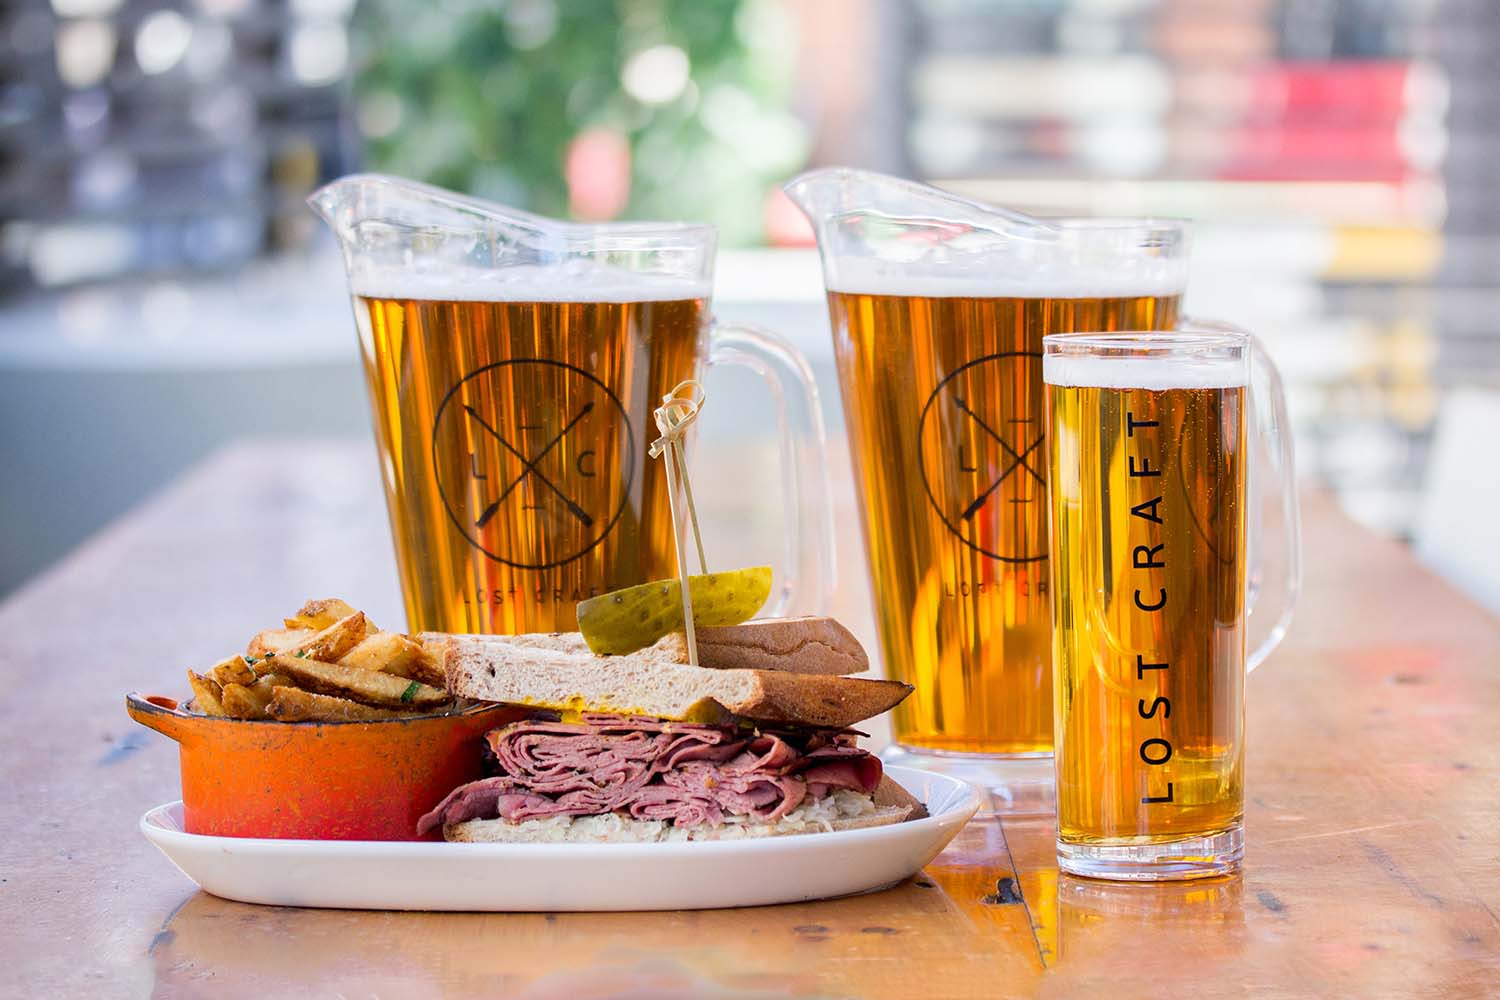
(756, 739)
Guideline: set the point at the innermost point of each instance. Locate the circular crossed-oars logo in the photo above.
(534, 459)
(983, 464)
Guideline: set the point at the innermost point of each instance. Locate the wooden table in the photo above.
(1373, 866)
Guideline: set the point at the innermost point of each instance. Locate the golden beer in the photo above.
(514, 439)
(943, 401)
(1148, 470)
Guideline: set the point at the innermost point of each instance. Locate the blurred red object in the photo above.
(598, 174)
(786, 226)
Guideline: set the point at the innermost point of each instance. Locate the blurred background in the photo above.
(164, 290)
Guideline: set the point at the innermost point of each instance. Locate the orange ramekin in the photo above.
(319, 780)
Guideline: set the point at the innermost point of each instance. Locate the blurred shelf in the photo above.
(1416, 203)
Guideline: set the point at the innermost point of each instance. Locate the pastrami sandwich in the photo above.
(644, 747)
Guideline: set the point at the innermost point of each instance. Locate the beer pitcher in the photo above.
(1169, 456)
(513, 364)
(938, 306)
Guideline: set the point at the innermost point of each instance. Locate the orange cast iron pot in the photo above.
(318, 780)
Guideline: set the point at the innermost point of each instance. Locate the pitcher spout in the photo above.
(873, 229)
(325, 200)
(394, 203)
(821, 193)
(834, 193)
(401, 234)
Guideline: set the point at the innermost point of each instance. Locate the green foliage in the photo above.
(486, 98)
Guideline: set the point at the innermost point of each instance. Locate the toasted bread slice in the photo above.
(799, 645)
(525, 670)
(795, 645)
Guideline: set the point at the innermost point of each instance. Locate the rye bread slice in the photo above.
(546, 673)
(795, 645)
(799, 645)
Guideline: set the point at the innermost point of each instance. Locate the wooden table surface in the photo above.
(1373, 866)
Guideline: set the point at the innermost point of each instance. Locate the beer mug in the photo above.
(513, 364)
(938, 306)
(1168, 453)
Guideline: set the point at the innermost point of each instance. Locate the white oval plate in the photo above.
(516, 877)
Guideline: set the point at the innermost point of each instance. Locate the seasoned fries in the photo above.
(393, 653)
(235, 670)
(205, 694)
(335, 640)
(277, 640)
(239, 703)
(388, 652)
(328, 643)
(318, 615)
(291, 704)
(330, 663)
(368, 686)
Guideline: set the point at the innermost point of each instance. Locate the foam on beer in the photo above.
(573, 281)
(1095, 372)
(985, 279)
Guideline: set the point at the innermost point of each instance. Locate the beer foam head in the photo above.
(1105, 372)
(1081, 259)
(576, 280)
(871, 278)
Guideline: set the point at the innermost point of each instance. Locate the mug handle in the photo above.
(808, 574)
(1271, 452)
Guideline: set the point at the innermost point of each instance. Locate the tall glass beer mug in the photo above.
(513, 364)
(938, 307)
(1154, 574)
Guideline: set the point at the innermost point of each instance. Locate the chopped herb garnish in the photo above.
(410, 692)
(252, 660)
(301, 654)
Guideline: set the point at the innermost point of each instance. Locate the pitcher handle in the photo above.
(1271, 450)
(808, 577)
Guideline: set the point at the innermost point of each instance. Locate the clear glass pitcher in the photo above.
(514, 363)
(938, 306)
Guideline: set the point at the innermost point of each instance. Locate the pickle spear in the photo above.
(623, 621)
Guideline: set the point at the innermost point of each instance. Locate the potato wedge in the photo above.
(277, 640)
(369, 686)
(234, 670)
(318, 615)
(389, 652)
(428, 669)
(205, 696)
(241, 702)
(289, 704)
(335, 640)
(249, 701)
(394, 653)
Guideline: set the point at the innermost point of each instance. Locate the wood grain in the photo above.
(1373, 866)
